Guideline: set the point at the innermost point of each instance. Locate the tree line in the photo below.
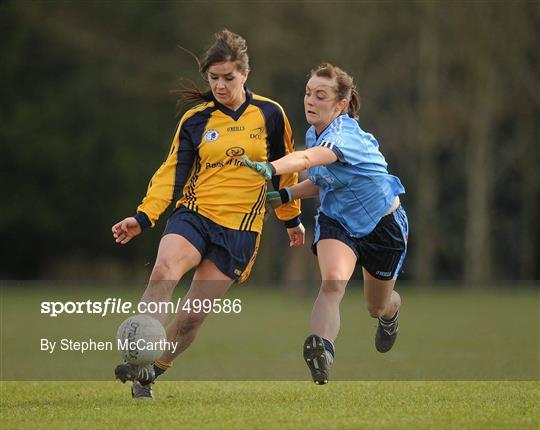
(450, 89)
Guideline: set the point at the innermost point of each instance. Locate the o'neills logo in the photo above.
(236, 128)
(211, 135)
(235, 151)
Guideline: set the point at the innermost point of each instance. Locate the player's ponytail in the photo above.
(345, 88)
(354, 103)
(227, 46)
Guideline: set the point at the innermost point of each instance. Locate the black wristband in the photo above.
(295, 222)
(272, 169)
(143, 220)
(284, 195)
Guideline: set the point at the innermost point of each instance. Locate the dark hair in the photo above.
(345, 87)
(227, 46)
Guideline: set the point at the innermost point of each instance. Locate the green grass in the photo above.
(445, 334)
(273, 405)
(487, 337)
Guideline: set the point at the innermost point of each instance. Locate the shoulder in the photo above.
(311, 137)
(194, 121)
(366, 136)
(267, 105)
(342, 129)
(310, 133)
(199, 111)
(344, 124)
(341, 135)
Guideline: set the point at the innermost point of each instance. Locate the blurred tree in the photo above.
(449, 89)
(426, 180)
(484, 103)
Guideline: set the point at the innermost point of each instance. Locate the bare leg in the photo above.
(336, 262)
(176, 256)
(381, 299)
(208, 283)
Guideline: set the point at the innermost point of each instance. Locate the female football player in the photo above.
(218, 219)
(360, 219)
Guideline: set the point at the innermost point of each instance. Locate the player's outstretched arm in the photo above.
(126, 230)
(293, 162)
(304, 190)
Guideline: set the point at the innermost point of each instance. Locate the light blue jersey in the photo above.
(356, 190)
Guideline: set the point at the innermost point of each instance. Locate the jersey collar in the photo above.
(235, 114)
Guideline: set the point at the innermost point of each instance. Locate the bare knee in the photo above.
(333, 287)
(169, 270)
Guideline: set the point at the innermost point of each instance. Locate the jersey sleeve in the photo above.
(169, 179)
(281, 144)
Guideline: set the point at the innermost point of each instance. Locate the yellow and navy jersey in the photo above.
(205, 165)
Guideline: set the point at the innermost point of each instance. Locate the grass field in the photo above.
(465, 359)
(445, 334)
(274, 405)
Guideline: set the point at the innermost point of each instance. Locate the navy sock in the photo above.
(390, 321)
(158, 370)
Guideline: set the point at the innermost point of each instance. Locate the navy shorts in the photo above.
(381, 252)
(232, 251)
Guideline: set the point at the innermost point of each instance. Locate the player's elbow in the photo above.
(304, 160)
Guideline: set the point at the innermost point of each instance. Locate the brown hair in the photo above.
(227, 46)
(345, 87)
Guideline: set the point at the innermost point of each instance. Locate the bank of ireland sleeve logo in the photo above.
(211, 135)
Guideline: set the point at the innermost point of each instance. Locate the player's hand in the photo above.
(263, 169)
(277, 198)
(126, 230)
(273, 198)
(296, 236)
